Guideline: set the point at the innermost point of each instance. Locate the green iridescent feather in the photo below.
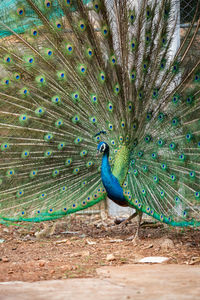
(72, 69)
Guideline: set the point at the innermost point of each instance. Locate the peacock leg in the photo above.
(131, 217)
(139, 223)
(135, 237)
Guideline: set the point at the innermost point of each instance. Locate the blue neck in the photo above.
(105, 166)
(110, 182)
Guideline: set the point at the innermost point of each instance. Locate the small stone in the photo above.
(65, 241)
(82, 235)
(52, 271)
(85, 253)
(79, 254)
(66, 268)
(91, 242)
(70, 232)
(154, 259)
(68, 243)
(188, 244)
(41, 263)
(75, 255)
(116, 241)
(167, 244)
(27, 238)
(18, 242)
(110, 257)
(148, 247)
(194, 260)
(5, 259)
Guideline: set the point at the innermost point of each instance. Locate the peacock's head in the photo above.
(102, 147)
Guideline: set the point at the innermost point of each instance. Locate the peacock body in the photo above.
(85, 75)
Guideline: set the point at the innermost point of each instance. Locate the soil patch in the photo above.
(77, 246)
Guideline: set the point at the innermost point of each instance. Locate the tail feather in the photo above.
(73, 69)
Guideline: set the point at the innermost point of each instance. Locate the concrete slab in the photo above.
(166, 282)
(163, 282)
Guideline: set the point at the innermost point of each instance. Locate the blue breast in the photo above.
(110, 182)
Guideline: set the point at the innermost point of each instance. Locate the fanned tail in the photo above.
(73, 69)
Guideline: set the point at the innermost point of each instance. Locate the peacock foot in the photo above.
(134, 238)
(123, 222)
(119, 221)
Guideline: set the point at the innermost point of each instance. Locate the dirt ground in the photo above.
(76, 247)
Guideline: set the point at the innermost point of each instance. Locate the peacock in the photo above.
(80, 77)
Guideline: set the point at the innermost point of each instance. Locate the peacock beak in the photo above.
(97, 153)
